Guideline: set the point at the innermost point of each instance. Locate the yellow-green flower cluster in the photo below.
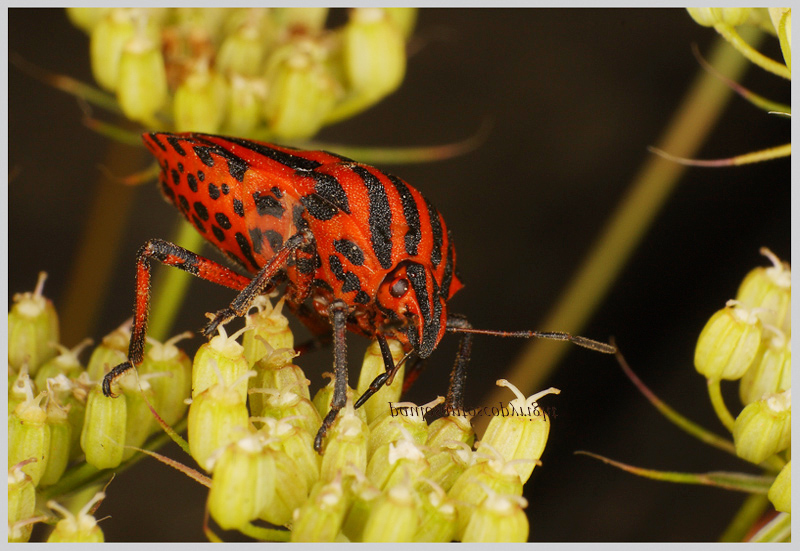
(58, 417)
(750, 341)
(269, 73)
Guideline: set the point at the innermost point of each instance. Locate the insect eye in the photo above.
(399, 288)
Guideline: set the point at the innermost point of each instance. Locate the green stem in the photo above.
(265, 534)
(777, 530)
(751, 510)
(172, 286)
(735, 40)
(715, 394)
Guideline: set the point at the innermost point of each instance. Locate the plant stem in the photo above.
(751, 510)
(733, 37)
(715, 394)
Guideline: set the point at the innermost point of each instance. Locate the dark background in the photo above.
(575, 97)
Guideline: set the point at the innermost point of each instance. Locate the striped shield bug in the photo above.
(359, 250)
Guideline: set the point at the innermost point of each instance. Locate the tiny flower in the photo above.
(523, 433)
(322, 399)
(346, 445)
(60, 439)
(438, 520)
(221, 357)
(80, 528)
(140, 423)
(103, 432)
(763, 428)
(32, 327)
(243, 482)
(768, 291)
(200, 101)
(21, 501)
(708, 17)
(372, 367)
(498, 518)
(780, 493)
(286, 403)
(112, 351)
(450, 428)
(108, 38)
(218, 416)
(399, 461)
(244, 105)
(76, 402)
(66, 362)
(771, 371)
(295, 442)
(29, 435)
(20, 389)
(86, 18)
(321, 517)
(362, 496)
(397, 420)
(728, 343)
(394, 516)
(291, 487)
(142, 79)
(448, 461)
(168, 371)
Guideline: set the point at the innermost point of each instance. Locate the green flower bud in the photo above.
(82, 528)
(782, 22)
(243, 51)
(108, 38)
(247, 95)
(728, 343)
(140, 422)
(400, 417)
(438, 519)
(403, 18)
(472, 487)
(771, 371)
(86, 18)
(302, 91)
(763, 428)
(708, 17)
(394, 516)
(29, 436)
(320, 518)
(20, 389)
(66, 362)
(450, 428)
(111, 352)
(363, 497)
(401, 461)
(271, 325)
(217, 417)
(372, 367)
(221, 360)
(243, 482)
(168, 371)
(21, 502)
(780, 493)
(60, 440)
(200, 100)
(301, 20)
(448, 461)
(295, 442)
(768, 292)
(498, 518)
(374, 53)
(32, 327)
(523, 434)
(286, 403)
(104, 427)
(142, 80)
(346, 445)
(323, 397)
(76, 402)
(291, 488)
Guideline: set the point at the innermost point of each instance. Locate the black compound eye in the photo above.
(399, 288)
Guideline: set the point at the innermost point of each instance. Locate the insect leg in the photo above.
(387, 376)
(338, 316)
(458, 376)
(171, 255)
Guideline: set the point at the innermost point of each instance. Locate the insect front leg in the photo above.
(337, 312)
(387, 376)
(171, 255)
(458, 376)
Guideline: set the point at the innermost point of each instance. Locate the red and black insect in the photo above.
(358, 249)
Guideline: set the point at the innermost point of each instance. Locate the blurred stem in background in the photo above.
(693, 121)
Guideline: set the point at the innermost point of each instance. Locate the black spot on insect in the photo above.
(267, 205)
(336, 267)
(201, 175)
(318, 207)
(350, 251)
(198, 224)
(213, 191)
(183, 203)
(154, 138)
(201, 210)
(204, 156)
(225, 189)
(330, 190)
(174, 141)
(256, 237)
(244, 245)
(180, 168)
(218, 233)
(323, 285)
(176, 178)
(294, 162)
(297, 217)
(222, 220)
(305, 265)
(274, 238)
(238, 207)
(361, 297)
(167, 190)
(237, 167)
(276, 192)
(351, 283)
(380, 216)
(192, 182)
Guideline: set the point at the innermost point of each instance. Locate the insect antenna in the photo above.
(552, 335)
